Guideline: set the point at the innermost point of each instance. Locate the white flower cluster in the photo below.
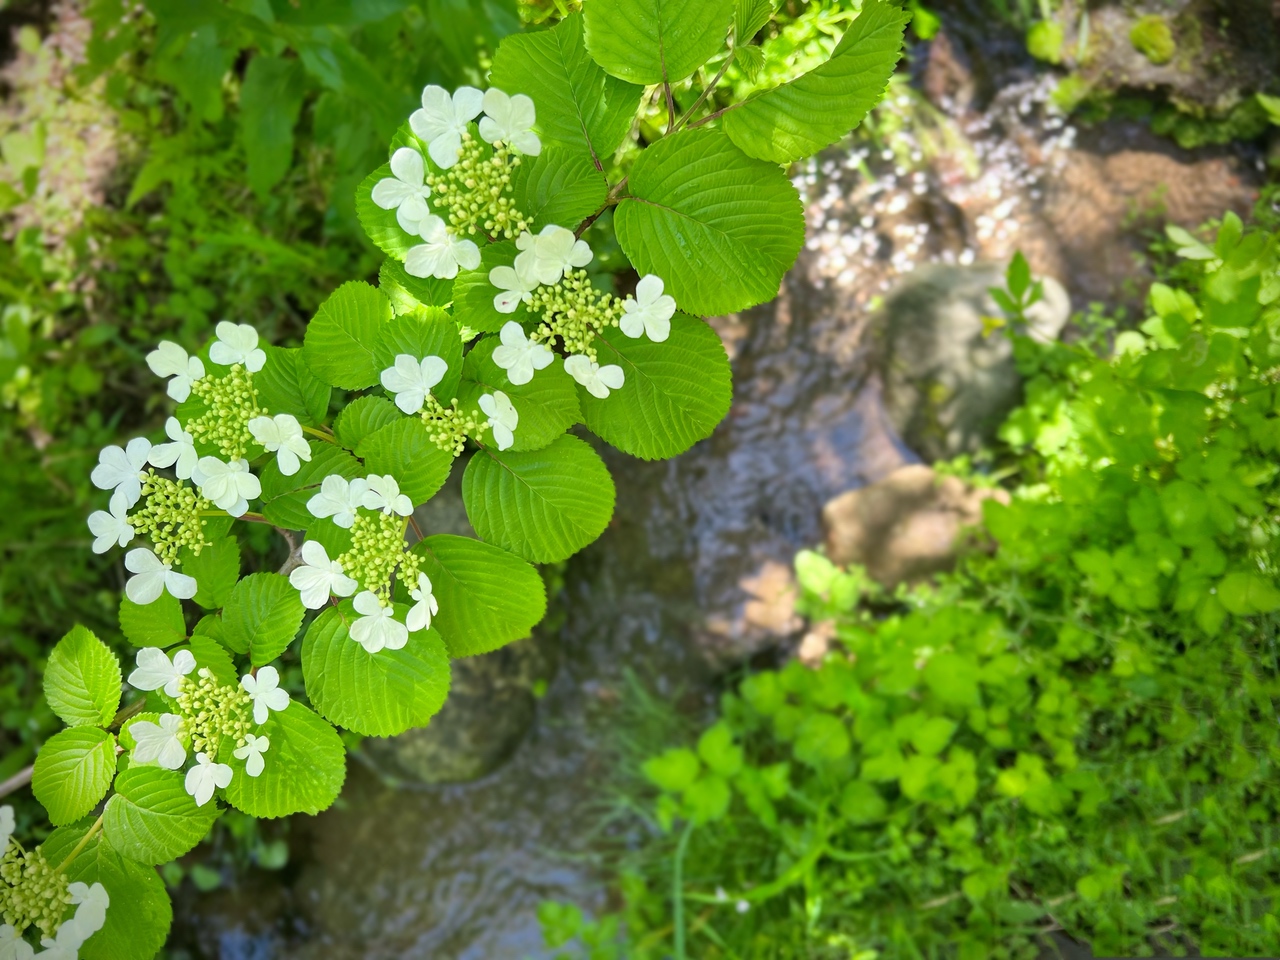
(410, 381)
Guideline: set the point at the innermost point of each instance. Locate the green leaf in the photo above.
(953, 679)
(547, 405)
(216, 569)
(673, 771)
(428, 332)
(749, 18)
(560, 186)
(718, 751)
(407, 293)
(73, 772)
(287, 385)
(207, 646)
(1247, 594)
(406, 451)
(364, 416)
(577, 102)
(815, 110)
(544, 506)
(933, 735)
(861, 803)
(655, 41)
(487, 597)
(380, 225)
(82, 680)
(270, 99)
(675, 394)
(821, 739)
(338, 346)
(262, 616)
(151, 818)
(156, 624)
(473, 293)
(718, 227)
(305, 767)
(375, 694)
(284, 499)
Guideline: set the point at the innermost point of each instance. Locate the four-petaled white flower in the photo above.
(6, 827)
(554, 252)
(377, 628)
(65, 944)
(282, 435)
(159, 742)
(318, 576)
(179, 454)
(595, 379)
(510, 119)
(503, 418)
(443, 254)
(111, 527)
(517, 284)
(120, 469)
(91, 903)
(157, 672)
(229, 485)
(338, 498)
(170, 360)
(12, 946)
(237, 343)
(520, 356)
(251, 753)
(649, 312)
(443, 120)
(265, 692)
(152, 577)
(410, 379)
(420, 613)
(205, 777)
(384, 494)
(405, 191)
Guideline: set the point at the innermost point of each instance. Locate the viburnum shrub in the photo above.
(486, 337)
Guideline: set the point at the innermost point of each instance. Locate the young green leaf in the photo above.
(216, 569)
(284, 499)
(405, 450)
(73, 771)
(559, 186)
(547, 405)
(426, 332)
(363, 416)
(304, 770)
(407, 293)
(655, 41)
(262, 616)
(82, 680)
(155, 624)
(338, 346)
(286, 384)
(151, 818)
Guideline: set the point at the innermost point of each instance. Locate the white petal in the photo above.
(467, 102)
(444, 149)
(312, 584)
(389, 193)
(407, 165)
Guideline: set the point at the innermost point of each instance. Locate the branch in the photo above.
(16, 782)
(706, 92)
(610, 201)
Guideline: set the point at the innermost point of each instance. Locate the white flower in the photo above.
(6, 827)
(405, 191)
(503, 418)
(111, 528)
(180, 454)
(339, 499)
(91, 904)
(410, 379)
(12, 946)
(157, 672)
(159, 742)
(555, 251)
(510, 119)
(517, 283)
(66, 943)
(264, 690)
(229, 485)
(251, 753)
(237, 343)
(384, 494)
(650, 312)
(205, 776)
(318, 576)
(377, 627)
(519, 356)
(443, 253)
(443, 120)
(282, 435)
(170, 360)
(597, 380)
(121, 469)
(420, 613)
(151, 577)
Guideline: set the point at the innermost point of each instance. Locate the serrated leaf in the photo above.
(338, 346)
(305, 767)
(473, 293)
(487, 597)
(207, 646)
(156, 624)
(675, 392)
(404, 450)
(719, 227)
(427, 332)
(284, 499)
(73, 772)
(749, 17)
(363, 416)
(544, 506)
(799, 118)
(381, 225)
(262, 616)
(560, 186)
(578, 104)
(286, 384)
(655, 41)
(407, 293)
(547, 405)
(216, 569)
(375, 694)
(151, 818)
(82, 680)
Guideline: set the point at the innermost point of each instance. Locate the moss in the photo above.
(1152, 38)
(1246, 121)
(1044, 41)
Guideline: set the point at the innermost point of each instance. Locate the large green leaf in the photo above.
(473, 293)
(578, 103)
(338, 346)
(655, 41)
(675, 392)
(426, 332)
(270, 99)
(561, 186)
(381, 225)
(82, 680)
(406, 293)
(284, 499)
(262, 616)
(405, 450)
(719, 227)
(815, 110)
(363, 416)
(159, 623)
(216, 569)
(73, 771)
(487, 597)
(547, 405)
(151, 818)
(305, 767)
(376, 694)
(286, 384)
(544, 506)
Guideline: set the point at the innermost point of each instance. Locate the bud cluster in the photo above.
(232, 402)
(33, 892)
(474, 194)
(448, 427)
(377, 552)
(574, 311)
(211, 711)
(170, 515)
